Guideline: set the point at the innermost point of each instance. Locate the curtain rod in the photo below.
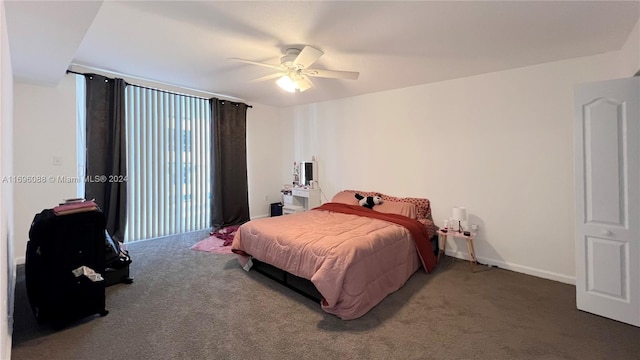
(160, 90)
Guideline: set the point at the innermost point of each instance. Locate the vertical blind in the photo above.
(168, 154)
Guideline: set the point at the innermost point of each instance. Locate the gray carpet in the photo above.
(186, 304)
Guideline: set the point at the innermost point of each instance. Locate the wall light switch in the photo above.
(57, 161)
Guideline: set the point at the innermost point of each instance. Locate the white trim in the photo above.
(20, 260)
(517, 268)
(81, 132)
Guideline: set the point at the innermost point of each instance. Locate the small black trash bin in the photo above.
(276, 209)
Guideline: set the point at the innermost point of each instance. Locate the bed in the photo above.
(353, 256)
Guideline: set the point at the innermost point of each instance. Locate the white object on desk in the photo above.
(459, 217)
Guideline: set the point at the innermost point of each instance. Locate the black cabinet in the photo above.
(276, 209)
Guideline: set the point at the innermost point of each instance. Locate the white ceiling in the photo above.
(393, 44)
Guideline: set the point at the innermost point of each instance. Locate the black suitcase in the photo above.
(117, 261)
(57, 246)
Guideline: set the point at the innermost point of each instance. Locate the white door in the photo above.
(607, 154)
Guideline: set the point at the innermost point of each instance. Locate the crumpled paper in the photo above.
(88, 272)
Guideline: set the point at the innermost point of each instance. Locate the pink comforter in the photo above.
(353, 261)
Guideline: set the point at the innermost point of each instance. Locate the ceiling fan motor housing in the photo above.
(290, 55)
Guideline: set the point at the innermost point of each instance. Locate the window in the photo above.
(168, 163)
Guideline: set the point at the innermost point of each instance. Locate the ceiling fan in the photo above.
(294, 73)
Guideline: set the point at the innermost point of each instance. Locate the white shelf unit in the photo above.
(301, 199)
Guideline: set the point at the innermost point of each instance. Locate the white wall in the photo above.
(7, 266)
(500, 144)
(44, 128)
(630, 53)
(265, 134)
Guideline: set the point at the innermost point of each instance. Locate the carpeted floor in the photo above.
(187, 304)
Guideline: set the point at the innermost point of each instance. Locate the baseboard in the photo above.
(518, 268)
(260, 216)
(20, 260)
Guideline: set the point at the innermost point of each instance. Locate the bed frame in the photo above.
(300, 285)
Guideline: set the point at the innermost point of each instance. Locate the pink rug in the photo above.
(213, 245)
(219, 242)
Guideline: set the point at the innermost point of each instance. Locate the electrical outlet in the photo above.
(474, 227)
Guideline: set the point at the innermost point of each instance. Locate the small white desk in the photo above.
(301, 199)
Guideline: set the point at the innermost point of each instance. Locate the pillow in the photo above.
(423, 206)
(397, 207)
(345, 197)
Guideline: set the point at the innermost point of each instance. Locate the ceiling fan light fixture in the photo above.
(294, 73)
(287, 84)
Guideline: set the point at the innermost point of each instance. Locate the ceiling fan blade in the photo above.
(307, 56)
(304, 83)
(277, 67)
(332, 74)
(268, 77)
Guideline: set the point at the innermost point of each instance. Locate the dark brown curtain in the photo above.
(106, 154)
(229, 188)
